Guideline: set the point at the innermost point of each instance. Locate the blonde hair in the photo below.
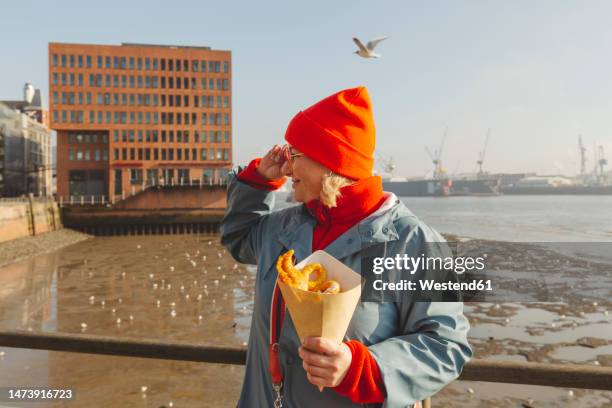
(330, 188)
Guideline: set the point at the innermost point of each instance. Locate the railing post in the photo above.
(103, 200)
(92, 199)
(82, 200)
(133, 189)
(122, 195)
(70, 200)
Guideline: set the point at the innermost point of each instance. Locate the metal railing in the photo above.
(136, 188)
(82, 200)
(552, 375)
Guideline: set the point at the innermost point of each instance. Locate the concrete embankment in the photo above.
(31, 226)
(28, 216)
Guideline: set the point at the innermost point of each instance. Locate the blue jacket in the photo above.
(418, 346)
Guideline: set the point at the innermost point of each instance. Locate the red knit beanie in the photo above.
(337, 132)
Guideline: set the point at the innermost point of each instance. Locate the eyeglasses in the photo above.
(291, 156)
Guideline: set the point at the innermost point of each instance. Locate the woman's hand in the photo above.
(271, 165)
(326, 363)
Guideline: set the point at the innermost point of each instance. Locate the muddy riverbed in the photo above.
(187, 288)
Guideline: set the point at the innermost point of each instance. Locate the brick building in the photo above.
(134, 113)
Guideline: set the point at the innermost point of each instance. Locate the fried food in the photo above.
(330, 286)
(301, 279)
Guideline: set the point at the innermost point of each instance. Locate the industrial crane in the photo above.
(436, 158)
(583, 159)
(600, 163)
(386, 164)
(481, 154)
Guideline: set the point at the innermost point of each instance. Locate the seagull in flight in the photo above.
(367, 51)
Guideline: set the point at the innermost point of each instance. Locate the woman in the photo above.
(395, 354)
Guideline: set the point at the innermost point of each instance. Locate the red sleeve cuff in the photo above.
(363, 382)
(251, 176)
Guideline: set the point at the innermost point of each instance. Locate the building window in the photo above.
(139, 63)
(70, 154)
(135, 176)
(100, 63)
(177, 64)
(179, 154)
(155, 64)
(54, 60)
(225, 66)
(80, 61)
(194, 65)
(97, 155)
(72, 61)
(116, 154)
(122, 61)
(107, 61)
(163, 64)
(131, 62)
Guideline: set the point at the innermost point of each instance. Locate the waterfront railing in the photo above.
(543, 374)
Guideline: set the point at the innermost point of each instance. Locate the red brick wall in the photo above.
(136, 51)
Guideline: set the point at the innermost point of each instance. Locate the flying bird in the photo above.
(367, 51)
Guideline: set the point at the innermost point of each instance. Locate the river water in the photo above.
(187, 288)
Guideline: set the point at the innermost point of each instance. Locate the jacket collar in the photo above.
(355, 202)
(376, 228)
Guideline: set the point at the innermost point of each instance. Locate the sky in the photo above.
(537, 74)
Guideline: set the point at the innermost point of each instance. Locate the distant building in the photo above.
(134, 114)
(545, 181)
(25, 146)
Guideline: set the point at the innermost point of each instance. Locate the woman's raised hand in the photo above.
(271, 165)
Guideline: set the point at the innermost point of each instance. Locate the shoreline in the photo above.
(25, 247)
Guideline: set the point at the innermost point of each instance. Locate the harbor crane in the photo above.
(481, 154)
(600, 163)
(386, 163)
(436, 158)
(583, 158)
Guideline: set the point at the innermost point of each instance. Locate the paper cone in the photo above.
(320, 314)
(324, 315)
